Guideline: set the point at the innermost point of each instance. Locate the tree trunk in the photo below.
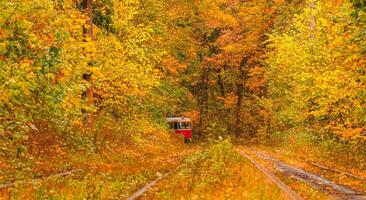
(221, 85)
(239, 95)
(88, 8)
(203, 101)
(200, 99)
(88, 34)
(312, 21)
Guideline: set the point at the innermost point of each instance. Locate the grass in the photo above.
(112, 174)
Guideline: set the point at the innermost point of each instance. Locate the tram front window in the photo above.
(185, 125)
(180, 125)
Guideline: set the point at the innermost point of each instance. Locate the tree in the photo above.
(315, 84)
(87, 5)
(223, 58)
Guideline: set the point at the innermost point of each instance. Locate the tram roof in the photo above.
(178, 119)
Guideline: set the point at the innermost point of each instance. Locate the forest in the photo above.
(273, 89)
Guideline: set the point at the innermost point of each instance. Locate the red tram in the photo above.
(181, 126)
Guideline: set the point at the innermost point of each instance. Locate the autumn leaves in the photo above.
(243, 68)
(317, 82)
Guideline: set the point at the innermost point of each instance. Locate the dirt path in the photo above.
(317, 182)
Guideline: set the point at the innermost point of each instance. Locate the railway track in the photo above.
(144, 189)
(137, 194)
(287, 190)
(317, 182)
(324, 168)
(34, 181)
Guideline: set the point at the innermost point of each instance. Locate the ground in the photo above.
(198, 170)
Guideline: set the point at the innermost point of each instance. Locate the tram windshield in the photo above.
(184, 125)
(180, 125)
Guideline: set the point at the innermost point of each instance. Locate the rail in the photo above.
(33, 181)
(288, 191)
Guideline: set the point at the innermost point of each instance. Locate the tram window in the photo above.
(185, 125)
(180, 125)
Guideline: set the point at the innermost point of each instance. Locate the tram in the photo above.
(181, 126)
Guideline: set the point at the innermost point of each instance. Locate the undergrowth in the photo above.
(113, 173)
